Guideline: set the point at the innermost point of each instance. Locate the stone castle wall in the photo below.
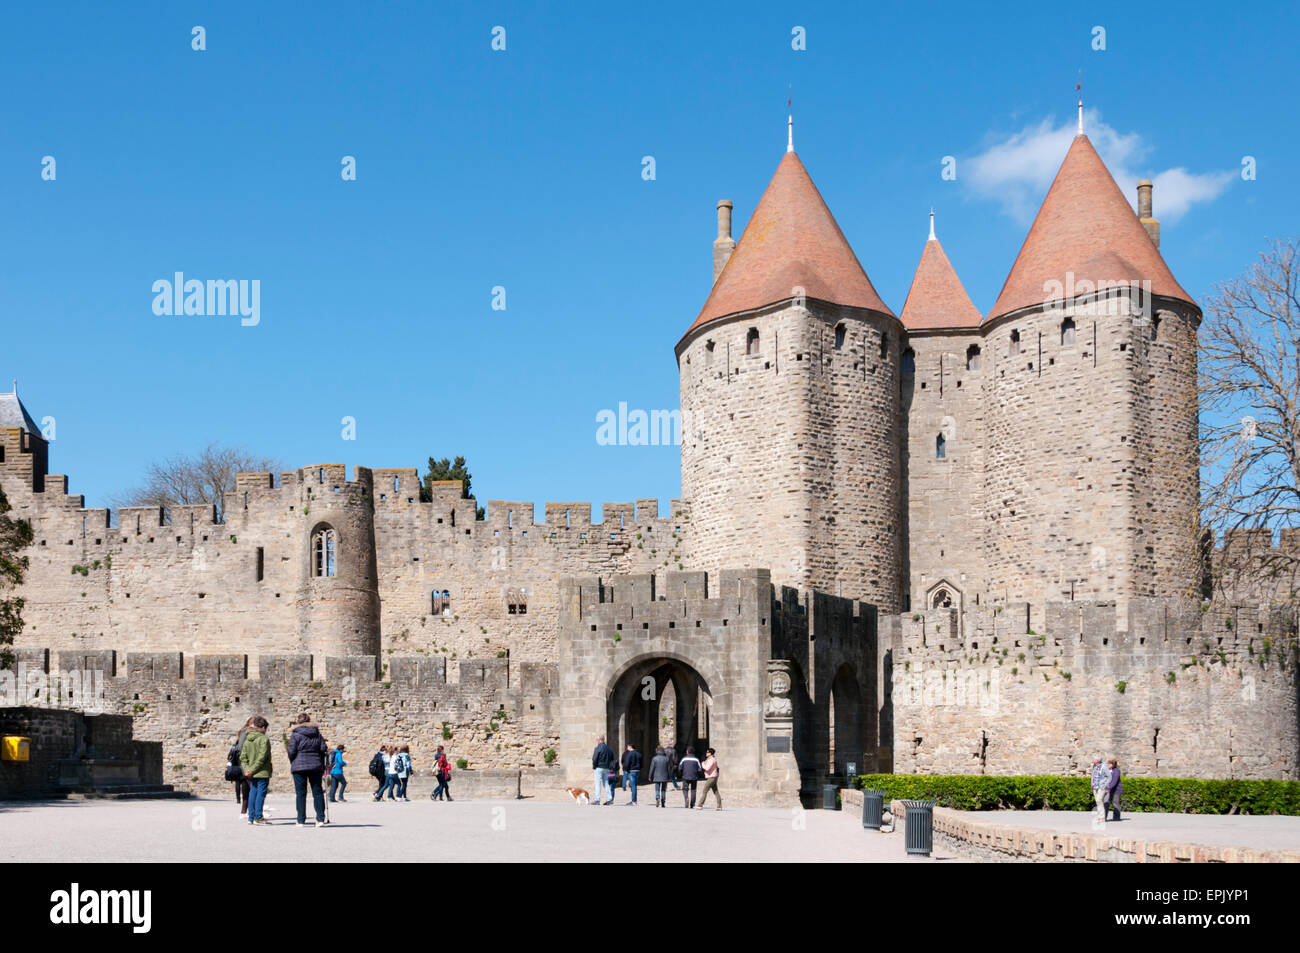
(180, 581)
(496, 713)
(1184, 690)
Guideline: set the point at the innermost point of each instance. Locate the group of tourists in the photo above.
(665, 768)
(1107, 788)
(249, 769)
(392, 767)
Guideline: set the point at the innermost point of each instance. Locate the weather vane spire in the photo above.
(789, 124)
(932, 223)
(1078, 88)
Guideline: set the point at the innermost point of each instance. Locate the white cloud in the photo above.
(1017, 170)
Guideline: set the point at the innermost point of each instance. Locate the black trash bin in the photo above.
(873, 807)
(919, 830)
(830, 797)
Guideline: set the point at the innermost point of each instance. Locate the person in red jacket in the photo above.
(442, 771)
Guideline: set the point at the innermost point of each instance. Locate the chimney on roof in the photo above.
(1144, 212)
(723, 245)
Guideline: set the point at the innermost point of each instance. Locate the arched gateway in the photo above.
(659, 701)
(746, 670)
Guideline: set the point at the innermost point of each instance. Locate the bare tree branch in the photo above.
(205, 477)
(1250, 423)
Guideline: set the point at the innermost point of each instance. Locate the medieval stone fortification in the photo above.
(972, 541)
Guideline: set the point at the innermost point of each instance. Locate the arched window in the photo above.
(322, 553)
(909, 363)
(940, 447)
(517, 601)
(973, 357)
(839, 337)
(751, 343)
(1067, 333)
(441, 602)
(1015, 342)
(942, 599)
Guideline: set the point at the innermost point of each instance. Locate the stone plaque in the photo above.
(778, 743)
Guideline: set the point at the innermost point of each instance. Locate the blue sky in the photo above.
(522, 169)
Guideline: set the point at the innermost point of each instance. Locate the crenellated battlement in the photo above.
(1083, 633)
(1189, 689)
(442, 678)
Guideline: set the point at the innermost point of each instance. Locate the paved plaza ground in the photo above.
(209, 830)
(205, 830)
(1263, 832)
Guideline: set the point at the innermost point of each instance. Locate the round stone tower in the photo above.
(1091, 488)
(790, 405)
(338, 594)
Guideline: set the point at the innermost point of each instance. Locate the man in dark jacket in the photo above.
(603, 764)
(307, 752)
(660, 774)
(691, 772)
(631, 771)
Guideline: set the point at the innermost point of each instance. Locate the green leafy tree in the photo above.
(15, 536)
(445, 469)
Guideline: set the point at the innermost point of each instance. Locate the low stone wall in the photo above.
(987, 840)
(70, 747)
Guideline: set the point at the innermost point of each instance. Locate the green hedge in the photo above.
(1049, 793)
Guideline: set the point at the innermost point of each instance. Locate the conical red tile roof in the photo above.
(791, 241)
(1085, 226)
(937, 298)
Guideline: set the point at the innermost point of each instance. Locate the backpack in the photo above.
(377, 766)
(234, 771)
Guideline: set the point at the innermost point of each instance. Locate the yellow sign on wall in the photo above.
(15, 748)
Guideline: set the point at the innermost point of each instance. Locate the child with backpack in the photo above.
(337, 781)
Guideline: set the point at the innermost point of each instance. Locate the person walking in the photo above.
(603, 763)
(1114, 788)
(671, 751)
(389, 778)
(338, 783)
(660, 772)
(441, 771)
(378, 770)
(404, 771)
(307, 751)
(631, 771)
(255, 759)
(691, 771)
(1100, 788)
(711, 773)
